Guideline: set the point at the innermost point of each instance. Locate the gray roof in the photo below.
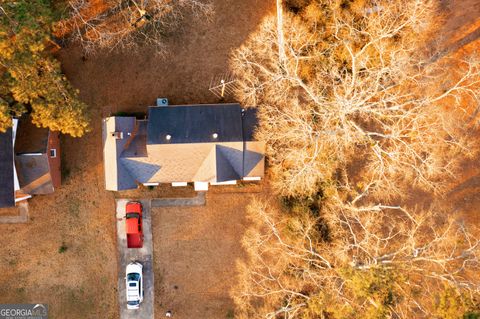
(34, 174)
(7, 187)
(192, 154)
(195, 123)
(228, 163)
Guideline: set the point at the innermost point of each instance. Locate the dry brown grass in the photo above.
(196, 250)
(79, 279)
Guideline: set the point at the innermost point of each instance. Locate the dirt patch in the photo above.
(130, 81)
(461, 18)
(195, 255)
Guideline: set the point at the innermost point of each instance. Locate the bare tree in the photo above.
(112, 24)
(380, 260)
(351, 106)
(356, 89)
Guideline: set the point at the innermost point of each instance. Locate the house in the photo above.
(29, 162)
(203, 144)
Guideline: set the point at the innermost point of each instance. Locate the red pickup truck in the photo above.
(133, 223)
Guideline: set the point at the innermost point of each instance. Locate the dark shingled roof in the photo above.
(194, 124)
(7, 187)
(250, 122)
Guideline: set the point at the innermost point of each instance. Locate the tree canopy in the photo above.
(354, 81)
(31, 78)
(358, 114)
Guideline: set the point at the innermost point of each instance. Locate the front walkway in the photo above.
(198, 200)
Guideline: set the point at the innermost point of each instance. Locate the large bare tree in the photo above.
(354, 90)
(357, 114)
(374, 262)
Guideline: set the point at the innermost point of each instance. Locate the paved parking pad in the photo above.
(143, 255)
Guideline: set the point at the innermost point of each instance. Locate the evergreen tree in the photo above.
(31, 78)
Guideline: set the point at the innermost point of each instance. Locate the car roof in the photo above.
(134, 268)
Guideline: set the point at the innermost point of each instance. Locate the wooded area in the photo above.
(358, 115)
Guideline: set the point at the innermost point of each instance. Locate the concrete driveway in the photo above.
(144, 255)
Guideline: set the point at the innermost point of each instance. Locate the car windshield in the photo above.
(133, 215)
(133, 277)
(133, 303)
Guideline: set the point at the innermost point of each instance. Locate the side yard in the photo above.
(65, 255)
(195, 255)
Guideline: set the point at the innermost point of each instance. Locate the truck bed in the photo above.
(134, 241)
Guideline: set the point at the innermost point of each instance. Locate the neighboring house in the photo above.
(203, 144)
(7, 169)
(29, 162)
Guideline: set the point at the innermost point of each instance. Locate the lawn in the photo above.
(195, 254)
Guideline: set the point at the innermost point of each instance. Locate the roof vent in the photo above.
(215, 135)
(162, 102)
(168, 137)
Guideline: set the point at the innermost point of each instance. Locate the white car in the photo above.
(134, 280)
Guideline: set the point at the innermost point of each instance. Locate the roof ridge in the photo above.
(211, 153)
(228, 159)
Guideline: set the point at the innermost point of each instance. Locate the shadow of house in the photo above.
(203, 144)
